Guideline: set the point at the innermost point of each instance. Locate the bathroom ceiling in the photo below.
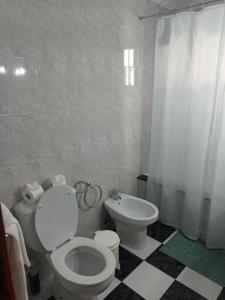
(177, 4)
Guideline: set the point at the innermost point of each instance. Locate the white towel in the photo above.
(17, 253)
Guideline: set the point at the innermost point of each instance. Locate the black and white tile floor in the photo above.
(152, 275)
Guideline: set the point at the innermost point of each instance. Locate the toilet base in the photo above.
(60, 293)
(132, 236)
(81, 298)
(72, 297)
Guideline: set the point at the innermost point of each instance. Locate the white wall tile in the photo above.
(10, 183)
(5, 103)
(22, 86)
(71, 112)
(8, 153)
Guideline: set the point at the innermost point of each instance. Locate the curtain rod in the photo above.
(181, 9)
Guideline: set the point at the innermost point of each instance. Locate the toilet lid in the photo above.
(56, 216)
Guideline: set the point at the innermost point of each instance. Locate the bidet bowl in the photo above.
(132, 215)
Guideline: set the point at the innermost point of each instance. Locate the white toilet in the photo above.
(132, 215)
(83, 267)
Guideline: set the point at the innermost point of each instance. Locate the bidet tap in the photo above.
(114, 194)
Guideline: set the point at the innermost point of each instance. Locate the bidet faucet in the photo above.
(114, 194)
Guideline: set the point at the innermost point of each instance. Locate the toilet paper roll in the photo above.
(32, 193)
(58, 180)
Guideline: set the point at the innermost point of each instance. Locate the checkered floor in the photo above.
(152, 275)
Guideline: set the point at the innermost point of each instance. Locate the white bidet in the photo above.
(132, 215)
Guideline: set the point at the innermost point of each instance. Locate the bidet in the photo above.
(132, 215)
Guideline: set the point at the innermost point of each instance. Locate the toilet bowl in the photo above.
(132, 215)
(82, 266)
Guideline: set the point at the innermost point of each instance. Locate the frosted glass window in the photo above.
(129, 76)
(129, 58)
(129, 66)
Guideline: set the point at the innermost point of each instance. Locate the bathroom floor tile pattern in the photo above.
(153, 275)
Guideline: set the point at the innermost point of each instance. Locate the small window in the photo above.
(129, 66)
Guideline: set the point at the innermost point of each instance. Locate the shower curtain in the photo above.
(187, 152)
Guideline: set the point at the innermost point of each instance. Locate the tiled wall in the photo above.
(64, 107)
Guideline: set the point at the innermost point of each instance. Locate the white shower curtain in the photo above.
(187, 153)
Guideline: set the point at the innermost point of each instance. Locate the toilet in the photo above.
(82, 266)
(132, 215)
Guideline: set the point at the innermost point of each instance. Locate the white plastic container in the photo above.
(111, 240)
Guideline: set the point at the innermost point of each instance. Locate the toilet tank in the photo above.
(25, 213)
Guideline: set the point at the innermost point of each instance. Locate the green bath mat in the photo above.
(194, 254)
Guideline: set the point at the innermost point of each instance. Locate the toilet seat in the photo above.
(59, 255)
